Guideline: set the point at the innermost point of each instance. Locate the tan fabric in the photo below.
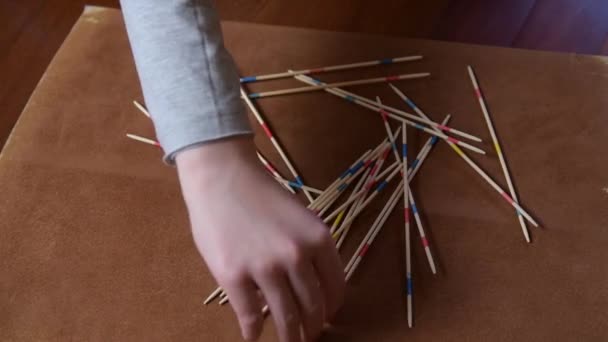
(95, 244)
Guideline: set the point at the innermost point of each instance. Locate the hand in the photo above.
(257, 238)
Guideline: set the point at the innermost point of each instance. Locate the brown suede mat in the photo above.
(95, 243)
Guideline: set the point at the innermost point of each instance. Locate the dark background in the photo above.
(33, 30)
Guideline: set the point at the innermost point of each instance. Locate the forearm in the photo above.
(189, 80)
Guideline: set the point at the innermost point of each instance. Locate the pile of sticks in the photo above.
(372, 172)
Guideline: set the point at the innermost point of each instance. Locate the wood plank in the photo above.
(85, 258)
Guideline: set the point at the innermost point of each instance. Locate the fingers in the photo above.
(279, 296)
(331, 276)
(305, 284)
(247, 306)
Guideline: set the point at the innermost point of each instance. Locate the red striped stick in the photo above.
(373, 232)
(288, 184)
(408, 245)
(356, 196)
(501, 157)
(428, 145)
(349, 172)
(374, 107)
(339, 84)
(341, 237)
(475, 167)
(330, 68)
(391, 111)
(274, 142)
(274, 173)
(331, 195)
(338, 219)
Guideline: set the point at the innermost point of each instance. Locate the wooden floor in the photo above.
(34, 29)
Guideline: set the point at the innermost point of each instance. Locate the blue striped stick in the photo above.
(384, 61)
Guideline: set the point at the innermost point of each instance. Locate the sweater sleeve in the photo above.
(189, 80)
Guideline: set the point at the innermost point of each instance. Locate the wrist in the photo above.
(212, 162)
(215, 154)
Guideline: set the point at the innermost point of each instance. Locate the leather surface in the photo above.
(94, 238)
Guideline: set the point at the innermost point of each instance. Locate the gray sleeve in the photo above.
(189, 80)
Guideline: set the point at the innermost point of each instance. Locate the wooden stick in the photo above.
(333, 198)
(329, 200)
(423, 238)
(359, 163)
(357, 195)
(422, 154)
(416, 164)
(373, 232)
(398, 114)
(368, 180)
(371, 181)
(381, 219)
(501, 157)
(374, 108)
(223, 301)
(342, 182)
(212, 296)
(274, 142)
(142, 109)
(367, 184)
(338, 84)
(142, 139)
(427, 145)
(387, 126)
(275, 173)
(372, 163)
(371, 197)
(303, 187)
(357, 188)
(345, 228)
(374, 172)
(477, 169)
(293, 185)
(406, 206)
(349, 172)
(371, 178)
(346, 182)
(351, 209)
(330, 68)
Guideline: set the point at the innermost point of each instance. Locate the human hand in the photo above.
(258, 239)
